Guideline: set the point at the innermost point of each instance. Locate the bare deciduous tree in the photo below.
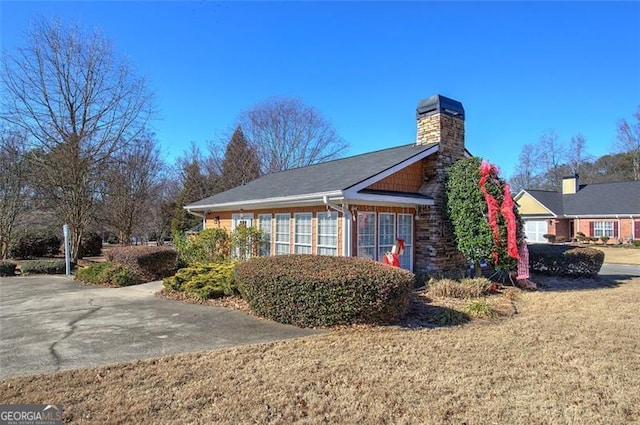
(13, 183)
(629, 141)
(289, 134)
(577, 155)
(551, 153)
(527, 173)
(131, 186)
(81, 104)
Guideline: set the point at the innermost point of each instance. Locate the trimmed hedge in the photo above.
(562, 260)
(35, 244)
(314, 290)
(107, 274)
(43, 267)
(7, 268)
(149, 263)
(213, 280)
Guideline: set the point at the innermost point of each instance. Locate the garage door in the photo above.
(534, 229)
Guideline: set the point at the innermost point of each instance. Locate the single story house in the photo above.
(602, 209)
(360, 205)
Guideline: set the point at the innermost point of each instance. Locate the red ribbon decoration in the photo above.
(487, 171)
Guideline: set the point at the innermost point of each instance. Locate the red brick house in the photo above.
(603, 209)
(360, 205)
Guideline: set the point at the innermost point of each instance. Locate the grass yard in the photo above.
(567, 357)
(620, 255)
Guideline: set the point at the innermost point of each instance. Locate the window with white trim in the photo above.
(386, 233)
(303, 225)
(603, 228)
(367, 235)
(283, 234)
(405, 232)
(327, 233)
(264, 224)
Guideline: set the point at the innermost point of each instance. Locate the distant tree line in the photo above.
(541, 165)
(76, 145)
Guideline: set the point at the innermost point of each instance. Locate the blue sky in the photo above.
(519, 68)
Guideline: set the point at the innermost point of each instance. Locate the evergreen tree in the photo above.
(240, 164)
(196, 186)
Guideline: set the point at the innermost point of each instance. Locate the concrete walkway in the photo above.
(51, 323)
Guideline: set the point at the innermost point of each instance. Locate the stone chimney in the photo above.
(440, 120)
(570, 185)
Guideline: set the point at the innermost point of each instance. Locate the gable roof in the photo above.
(331, 178)
(619, 198)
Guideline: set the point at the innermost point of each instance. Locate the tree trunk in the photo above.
(477, 268)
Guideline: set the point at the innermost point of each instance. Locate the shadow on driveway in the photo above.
(50, 323)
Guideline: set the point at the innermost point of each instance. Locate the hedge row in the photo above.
(7, 268)
(205, 281)
(307, 290)
(43, 267)
(109, 274)
(562, 260)
(149, 263)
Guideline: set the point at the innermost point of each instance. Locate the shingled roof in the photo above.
(619, 198)
(327, 177)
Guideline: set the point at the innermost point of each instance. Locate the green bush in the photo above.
(213, 280)
(314, 290)
(35, 244)
(636, 242)
(7, 268)
(91, 245)
(246, 241)
(465, 288)
(563, 260)
(480, 309)
(148, 263)
(561, 239)
(550, 237)
(107, 274)
(208, 246)
(604, 239)
(43, 267)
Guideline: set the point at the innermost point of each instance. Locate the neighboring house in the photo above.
(602, 209)
(360, 205)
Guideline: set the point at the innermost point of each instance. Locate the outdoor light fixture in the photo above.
(216, 220)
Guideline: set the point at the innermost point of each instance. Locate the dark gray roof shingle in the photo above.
(594, 199)
(339, 174)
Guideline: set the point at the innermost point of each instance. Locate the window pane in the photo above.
(264, 223)
(327, 240)
(405, 232)
(283, 233)
(386, 233)
(367, 235)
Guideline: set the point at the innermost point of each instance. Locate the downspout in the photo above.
(346, 224)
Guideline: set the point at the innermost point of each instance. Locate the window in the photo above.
(603, 228)
(327, 242)
(303, 236)
(367, 235)
(386, 233)
(405, 232)
(264, 224)
(283, 234)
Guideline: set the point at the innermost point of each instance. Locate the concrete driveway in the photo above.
(50, 323)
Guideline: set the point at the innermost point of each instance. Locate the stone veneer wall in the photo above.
(435, 249)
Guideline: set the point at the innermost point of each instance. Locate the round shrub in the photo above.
(147, 262)
(91, 245)
(56, 266)
(564, 260)
(213, 280)
(313, 290)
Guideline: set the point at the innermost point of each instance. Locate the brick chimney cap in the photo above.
(440, 104)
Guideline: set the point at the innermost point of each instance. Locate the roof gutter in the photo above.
(256, 203)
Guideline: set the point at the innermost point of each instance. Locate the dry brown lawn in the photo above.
(620, 255)
(567, 357)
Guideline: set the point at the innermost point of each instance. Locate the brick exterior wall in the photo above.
(435, 250)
